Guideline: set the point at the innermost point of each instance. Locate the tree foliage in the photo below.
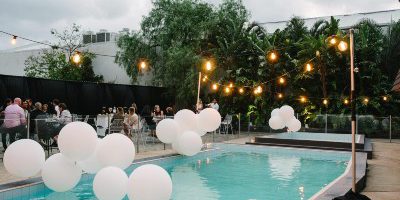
(56, 63)
(178, 35)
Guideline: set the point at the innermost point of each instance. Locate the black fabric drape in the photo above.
(82, 97)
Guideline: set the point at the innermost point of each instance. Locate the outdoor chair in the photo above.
(101, 125)
(226, 124)
(116, 126)
(43, 130)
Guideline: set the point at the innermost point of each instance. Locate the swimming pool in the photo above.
(231, 172)
(330, 137)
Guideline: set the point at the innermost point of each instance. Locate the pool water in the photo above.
(232, 172)
(331, 137)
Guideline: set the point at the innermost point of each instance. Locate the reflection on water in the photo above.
(283, 168)
(191, 185)
(62, 196)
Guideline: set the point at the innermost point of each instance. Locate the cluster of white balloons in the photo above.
(81, 150)
(284, 117)
(185, 130)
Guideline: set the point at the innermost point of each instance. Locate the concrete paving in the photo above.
(383, 177)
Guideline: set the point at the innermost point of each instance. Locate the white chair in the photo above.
(102, 125)
(226, 124)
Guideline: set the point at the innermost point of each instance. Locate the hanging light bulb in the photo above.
(14, 40)
(308, 67)
(208, 65)
(346, 102)
(385, 98)
(215, 86)
(273, 56)
(205, 78)
(76, 58)
(281, 80)
(258, 90)
(231, 85)
(325, 101)
(241, 90)
(333, 40)
(342, 46)
(143, 65)
(303, 99)
(366, 100)
(280, 95)
(227, 90)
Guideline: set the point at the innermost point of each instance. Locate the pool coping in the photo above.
(343, 184)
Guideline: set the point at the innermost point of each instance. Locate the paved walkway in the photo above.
(383, 177)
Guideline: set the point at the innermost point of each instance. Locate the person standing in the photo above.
(55, 103)
(214, 104)
(14, 121)
(199, 106)
(33, 117)
(131, 121)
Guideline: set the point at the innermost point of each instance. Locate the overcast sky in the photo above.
(34, 18)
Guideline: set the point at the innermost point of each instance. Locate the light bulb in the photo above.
(227, 90)
(143, 65)
(14, 40)
(214, 86)
(333, 41)
(342, 46)
(280, 95)
(281, 80)
(308, 67)
(76, 58)
(346, 101)
(241, 90)
(208, 66)
(325, 102)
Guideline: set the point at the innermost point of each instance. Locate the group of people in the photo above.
(14, 115)
(130, 119)
(200, 106)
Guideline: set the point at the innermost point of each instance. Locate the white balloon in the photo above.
(167, 130)
(24, 158)
(199, 130)
(294, 125)
(91, 165)
(116, 150)
(286, 113)
(190, 143)
(275, 112)
(186, 120)
(175, 146)
(60, 174)
(149, 182)
(276, 123)
(77, 141)
(110, 183)
(209, 119)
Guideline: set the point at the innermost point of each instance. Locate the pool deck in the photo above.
(383, 177)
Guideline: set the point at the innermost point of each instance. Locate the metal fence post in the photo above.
(357, 117)
(137, 138)
(326, 122)
(28, 125)
(108, 123)
(390, 128)
(239, 126)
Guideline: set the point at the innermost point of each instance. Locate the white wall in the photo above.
(12, 63)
